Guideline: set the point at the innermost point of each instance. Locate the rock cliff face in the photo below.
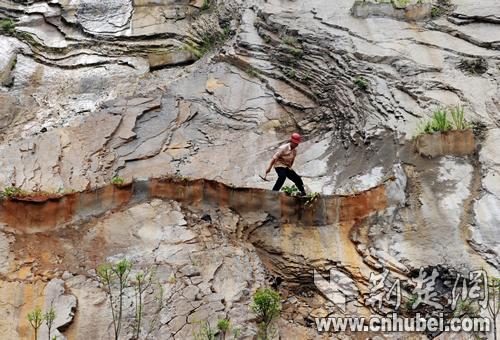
(79, 105)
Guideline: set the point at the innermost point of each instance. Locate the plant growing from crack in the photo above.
(49, 318)
(288, 41)
(492, 284)
(206, 332)
(204, 5)
(115, 280)
(290, 190)
(297, 52)
(224, 326)
(267, 307)
(35, 319)
(117, 180)
(361, 83)
(7, 26)
(141, 283)
(311, 199)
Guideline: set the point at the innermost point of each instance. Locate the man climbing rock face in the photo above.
(283, 161)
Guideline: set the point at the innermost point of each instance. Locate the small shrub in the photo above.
(35, 319)
(401, 3)
(115, 279)
(7, 26)
(224, 326)
(267, 306)
(117, 180)
(435, 11)
(49, 318)
(288, 41)
(297, 52)
(466, 308)
(289, 190)
(10, 191)
(305, 76)
(361, 83)
(410, 302)
(267, 39)
(204, 6)
(311, 199)
(292, 74)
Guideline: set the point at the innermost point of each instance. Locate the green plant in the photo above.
(255, 73)
(36, 320)
(266, 306)
(7, 26)
(292, 62)
(361, 82)
(435, 11)
(457, 113)
(292, 74)
(199, 52)
(288, 41)
(466, 308)
(311, 199)
(297, 52)
(114, 277)
(410, 302)
(401, 3)
(289, 190)
(10, 191)
(204, 6)
(142, 283)
(117, 180)
(267, 39)
(207, 44)
(206, 331)
(49, 318)
(181, 192)
(305, 76)
(317, 93)
(439, 121)
(224, 326)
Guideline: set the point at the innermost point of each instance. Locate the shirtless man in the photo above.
(283, 161)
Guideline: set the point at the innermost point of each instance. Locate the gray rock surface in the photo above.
(81, 106)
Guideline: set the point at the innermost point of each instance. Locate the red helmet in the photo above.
(296, 138)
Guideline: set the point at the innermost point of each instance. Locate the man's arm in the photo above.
(270, 166)
(275, 157)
